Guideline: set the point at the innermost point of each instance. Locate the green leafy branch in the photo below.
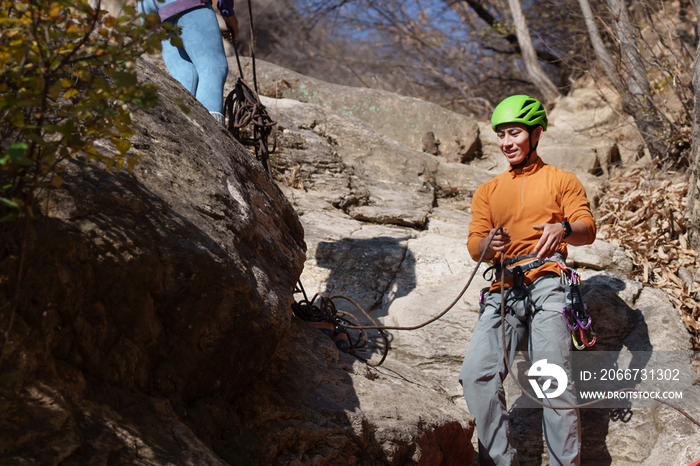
(67, 79)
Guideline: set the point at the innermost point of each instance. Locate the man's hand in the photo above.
(500, 243)
(552, 236)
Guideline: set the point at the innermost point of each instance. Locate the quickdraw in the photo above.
(576, 312)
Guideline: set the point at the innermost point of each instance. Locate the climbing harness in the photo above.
(166, 12)
(575, 311)
(246, 114)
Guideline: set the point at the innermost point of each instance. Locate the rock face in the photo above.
(328, 408)
(143, 281)
(155, 325)
(403, 119)
(601, 256)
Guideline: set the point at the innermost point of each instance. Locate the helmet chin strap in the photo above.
(532, 150)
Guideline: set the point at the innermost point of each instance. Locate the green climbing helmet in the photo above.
(519, 109)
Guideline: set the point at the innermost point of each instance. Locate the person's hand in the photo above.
(232, 21)
(499, 243)
(552, 236)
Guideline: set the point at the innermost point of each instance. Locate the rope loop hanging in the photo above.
(248, 119)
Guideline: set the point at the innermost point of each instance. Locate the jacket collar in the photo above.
(530, 169)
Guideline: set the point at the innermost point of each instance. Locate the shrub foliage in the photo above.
(67, 79)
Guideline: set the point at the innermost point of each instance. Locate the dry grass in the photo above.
(643, 213)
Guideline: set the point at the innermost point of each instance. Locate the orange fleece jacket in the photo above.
(521, 198)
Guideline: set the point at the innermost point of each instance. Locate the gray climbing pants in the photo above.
(544, 334)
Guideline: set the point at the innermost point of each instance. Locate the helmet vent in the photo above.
(526, 108)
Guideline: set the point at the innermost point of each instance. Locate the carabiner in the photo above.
(580, 315)
(482, 294)
(590, 342)
(577, 345)
(568, 312)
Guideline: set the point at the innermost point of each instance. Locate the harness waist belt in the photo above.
(179, 6)
(557, 257)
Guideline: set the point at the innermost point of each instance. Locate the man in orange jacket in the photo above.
(541, 209)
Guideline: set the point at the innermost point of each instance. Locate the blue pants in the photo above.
(545, 335)
(200, 65)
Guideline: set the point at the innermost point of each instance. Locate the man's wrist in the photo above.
(567, 229)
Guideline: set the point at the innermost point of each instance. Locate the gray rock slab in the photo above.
(404, 119)
(369, 176)
(346, 256)
(600, 255)
(465, 178)
(584, 109)
(449, 223)
(357, 142)
(435, 273)
(577, 153)
(392, 203)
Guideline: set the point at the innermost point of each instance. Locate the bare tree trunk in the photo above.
(637, 101)
(692, 210)
(601, 52)
(512, 39)
(532, 66)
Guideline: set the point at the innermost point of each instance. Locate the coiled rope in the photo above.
(325, 311)
(243, 109)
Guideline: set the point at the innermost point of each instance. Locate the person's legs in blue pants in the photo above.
(200, 64)
(203, 47)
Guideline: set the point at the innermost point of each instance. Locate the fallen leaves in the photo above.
(643, 213)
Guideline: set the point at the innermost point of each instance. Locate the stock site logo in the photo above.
(542, 369)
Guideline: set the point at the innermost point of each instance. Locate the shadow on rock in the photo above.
(133, 290)
(366, 271)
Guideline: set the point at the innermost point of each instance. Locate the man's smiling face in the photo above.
(515, 141)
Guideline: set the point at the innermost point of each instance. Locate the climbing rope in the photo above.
(244, 109)
(350, 322)
(325, 312)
